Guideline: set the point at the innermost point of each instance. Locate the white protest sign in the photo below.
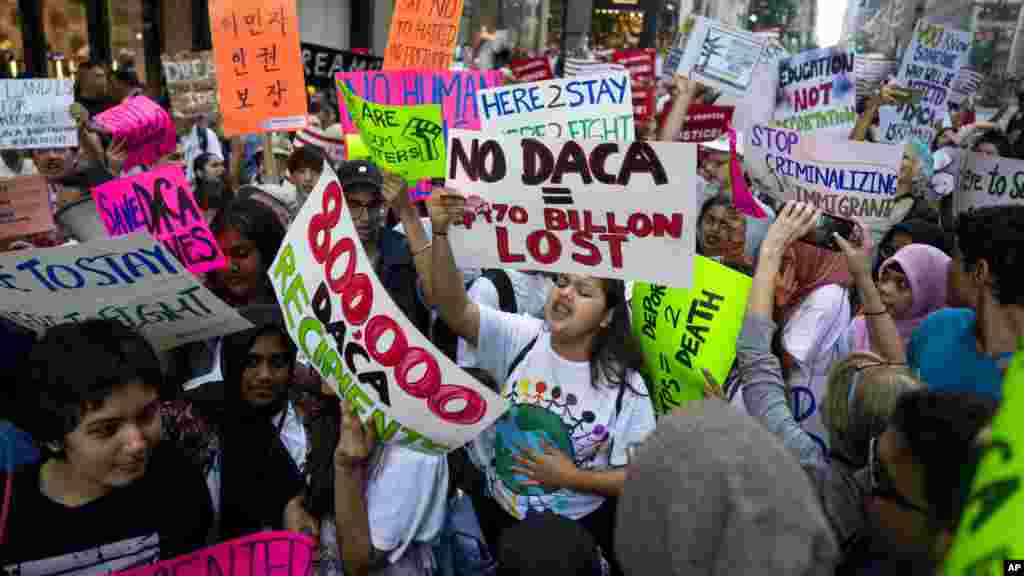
(818, 91)
(133, 279)
(588, 108)
(719, 56)
(989, 181)
(930, 64)
(37, 114)
(346, 324)
(849, 179)
(616, 210)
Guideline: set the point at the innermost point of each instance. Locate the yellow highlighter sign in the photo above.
(990, 528)
(407, 140)
(682, 331)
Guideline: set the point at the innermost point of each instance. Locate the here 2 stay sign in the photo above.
(611, 209)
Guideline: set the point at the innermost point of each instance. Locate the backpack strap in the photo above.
(519, 357)
(506, 292)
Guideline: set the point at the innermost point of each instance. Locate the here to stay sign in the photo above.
(613, 209)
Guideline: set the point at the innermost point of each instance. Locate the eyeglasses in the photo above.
(360, 209)
(882, 486)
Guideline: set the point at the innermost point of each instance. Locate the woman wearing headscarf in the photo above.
(912, 284)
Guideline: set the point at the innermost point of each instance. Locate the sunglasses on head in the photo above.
(882, 485)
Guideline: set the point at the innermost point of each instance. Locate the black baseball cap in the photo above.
(360, 172)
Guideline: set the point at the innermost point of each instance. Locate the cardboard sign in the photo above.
(532, 69)
(818, 91)
(161, 203)
(643, 102)
(407, 140)
(263, 554)
(930, 64)
(682, 331)
(639, 62)
(616, 210)
(423, 34)
(259, 66)
(145, 127)
(575, 67)
(36, 114)
(135, 280)
(191, 82)
(585, 108)
(454, 90)
(989, 181)
(849, 179)
(753, 108)
(705, 123)
(25, 206)
(988, 540)
(719, 56)
(322, 63)
(343, 320)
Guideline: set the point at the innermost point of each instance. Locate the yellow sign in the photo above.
(989, 530)
(407, 140)
(355, 149)
(682, 331)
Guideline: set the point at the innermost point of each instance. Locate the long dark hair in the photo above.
(257, 222)
(615, 350)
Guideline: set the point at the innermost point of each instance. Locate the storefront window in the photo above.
(66, 30)
(12, 52)
(127, 46)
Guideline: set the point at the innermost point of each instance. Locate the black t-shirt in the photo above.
(164, 515)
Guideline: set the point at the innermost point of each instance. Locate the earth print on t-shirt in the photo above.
(541, 413)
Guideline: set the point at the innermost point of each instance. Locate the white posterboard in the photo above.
(587, 108)
(37, 114)
(133, 279)
(818, 91)
(989, 181)
(720, 56)
(616, 210)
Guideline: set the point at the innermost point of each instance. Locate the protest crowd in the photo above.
(700, 311)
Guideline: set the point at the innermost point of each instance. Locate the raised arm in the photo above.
(396, 194)
(453, 303)
(686, 92)
(864, 122)
(881, 326)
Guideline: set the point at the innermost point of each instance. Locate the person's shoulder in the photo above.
(948, 319)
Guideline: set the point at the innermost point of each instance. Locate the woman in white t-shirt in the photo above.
(577, 398)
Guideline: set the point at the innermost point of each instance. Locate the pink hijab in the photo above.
(926, 268)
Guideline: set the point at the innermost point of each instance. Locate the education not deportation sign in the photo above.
(342, 319)
(37, 114)
(849, 179)
(585, 207)
(585, 108)
(818, 91)
(133, 279)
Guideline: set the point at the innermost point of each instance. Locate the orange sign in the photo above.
(423, 34)
(260, 82)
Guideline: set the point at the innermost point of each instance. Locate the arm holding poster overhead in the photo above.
(686, 92)
(453, 303)
(396, 194)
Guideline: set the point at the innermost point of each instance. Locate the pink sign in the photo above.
(161, 202)
(455, 90)
(146, 127)
(263, 554)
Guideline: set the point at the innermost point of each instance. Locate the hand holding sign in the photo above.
(446, 206)
(356, 441)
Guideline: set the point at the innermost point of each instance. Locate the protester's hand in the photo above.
(356, 441)
(550, 468)
(446, 206)
(686, 87)
(297, 519)
(116, 156)
(396, 193)
(794, 221)
(712, 389)
(857, 259)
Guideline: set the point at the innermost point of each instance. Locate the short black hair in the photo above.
(255, 221)
(306, 157)
(938, 428)
(995, 234)
(128, 77)
(996, 138)
(74, 369)
(529, 548)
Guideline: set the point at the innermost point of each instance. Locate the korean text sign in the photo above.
(25, 206)
(259, 65)
(263, 554)
(618, 210)
(161, 203)
(930, 65)
(36, 114)
(144, 126)
(682, 331)
(719, 56)
(423, 34)
(583, 108)
(818, 91)
(407, 140)
(344, 321)
(849, 179)
(989, 181)
(133, 279)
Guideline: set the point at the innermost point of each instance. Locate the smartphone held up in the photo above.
(822, 235)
